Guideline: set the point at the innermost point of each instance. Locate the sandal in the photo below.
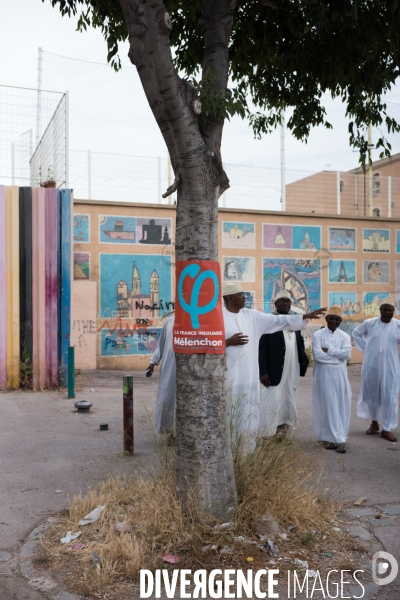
(388, 435)
(330, 446)
(341, 449)
(373, 428)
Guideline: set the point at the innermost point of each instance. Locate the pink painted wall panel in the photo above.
(51, 288)
(3, 334)
(39, 287)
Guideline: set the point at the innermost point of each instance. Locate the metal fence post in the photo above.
(128, 413)
(71, 372)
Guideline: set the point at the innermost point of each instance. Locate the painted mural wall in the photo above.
(128, 252)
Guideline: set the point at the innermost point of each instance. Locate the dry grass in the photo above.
(276, 478)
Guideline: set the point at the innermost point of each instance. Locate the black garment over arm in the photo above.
(271, 355)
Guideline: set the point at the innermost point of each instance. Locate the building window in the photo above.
(376, 212)
(376, 186)
(341, 187)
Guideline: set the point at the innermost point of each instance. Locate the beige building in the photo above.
(124, 284)
(355, 192)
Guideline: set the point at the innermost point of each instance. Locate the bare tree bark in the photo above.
(205, 479)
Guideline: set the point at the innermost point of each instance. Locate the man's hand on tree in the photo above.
(238, 339)
(315, 314)
(265, 380)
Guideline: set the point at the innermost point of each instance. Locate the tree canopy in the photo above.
(282, 53)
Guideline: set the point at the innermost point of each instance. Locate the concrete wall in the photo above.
(321, 259)
(83, 326)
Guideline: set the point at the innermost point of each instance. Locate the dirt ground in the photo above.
(49, 453)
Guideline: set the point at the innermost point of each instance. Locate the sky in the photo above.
(109, 112)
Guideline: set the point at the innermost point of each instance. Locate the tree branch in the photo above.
(170, 98)
(216, 26)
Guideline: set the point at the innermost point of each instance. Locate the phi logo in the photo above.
(193, 308)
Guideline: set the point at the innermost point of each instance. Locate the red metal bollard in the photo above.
(128, 413)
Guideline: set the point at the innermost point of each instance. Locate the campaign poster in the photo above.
(199, 323)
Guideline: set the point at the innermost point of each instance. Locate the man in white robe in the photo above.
(243, 329)
(282, 360)
(331, 394)
(164, 353)
(379, 339)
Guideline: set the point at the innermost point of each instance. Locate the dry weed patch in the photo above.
(276, 479)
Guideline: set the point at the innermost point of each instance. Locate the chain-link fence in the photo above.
(25, 116)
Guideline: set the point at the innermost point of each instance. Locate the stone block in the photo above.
(360, 532)
(381, 522)
(390, 510)
(362, 512)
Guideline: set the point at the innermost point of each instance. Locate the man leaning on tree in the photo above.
(282, 361)
(379, 339)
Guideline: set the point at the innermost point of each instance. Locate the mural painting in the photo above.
(376, 240)
(342, 239)
(372, 303)
(397, 240)
(349, 325)
(238, 235)
(134, 286)
(129, 341)
(237, 268)
(301, 278)
(117, 230)
(295, 237)
(346, 301)
(306, 238)
(154, 231)
(82, 265)
(81, 228)
(376, 271)
(342, 271)
(250, 298)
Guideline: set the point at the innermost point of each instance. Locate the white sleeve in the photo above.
(343, 353)
(271, 323)
(319, 355)
(159, 351)
(358, 334)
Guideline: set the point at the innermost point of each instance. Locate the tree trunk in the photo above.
(205, 479)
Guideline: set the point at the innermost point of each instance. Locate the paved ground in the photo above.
(46, 446)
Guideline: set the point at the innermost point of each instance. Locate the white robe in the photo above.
(331, 387)
(278, 402)
(242, 363)
(165, 409)
(380, 374)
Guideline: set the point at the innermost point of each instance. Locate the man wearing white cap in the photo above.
(379, 339)
(282, 361)
(243, 329)
(331, 395)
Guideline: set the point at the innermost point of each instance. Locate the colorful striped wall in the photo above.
(35, 284)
